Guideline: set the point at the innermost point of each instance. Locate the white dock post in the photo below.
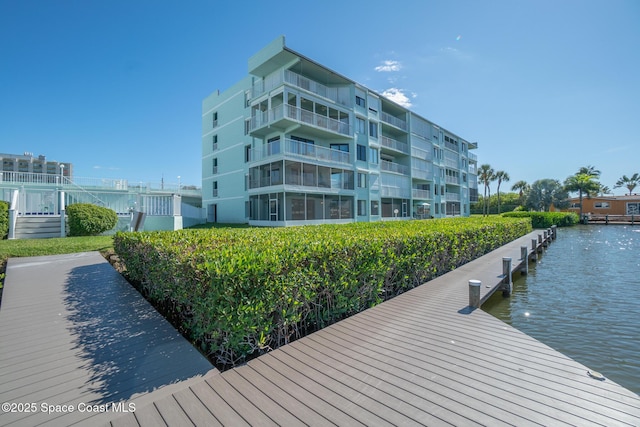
(474, 293)
(506, 272)
(524, 256)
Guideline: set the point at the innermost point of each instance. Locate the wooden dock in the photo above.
(73, 332)
(611, 219)
(423, 358)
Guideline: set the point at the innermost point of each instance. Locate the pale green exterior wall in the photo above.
(281, 136)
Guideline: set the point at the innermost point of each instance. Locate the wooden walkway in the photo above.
(74, 332)
(423, 358)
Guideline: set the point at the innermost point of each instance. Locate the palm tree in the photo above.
(486, 176)
(589, 170)
(521, 187)
(501, 176)
(584, 184)
(630, 183)
(604, 190)
(544, 193)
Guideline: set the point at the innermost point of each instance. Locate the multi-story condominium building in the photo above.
(296, 143)
(27, 163)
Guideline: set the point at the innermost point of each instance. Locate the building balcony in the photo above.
(453, 180)
(394, 167)
(394, 145)
(300, 150)
(284, 116)
(452, 197)
(334, 94)
(397, 192)
(393, 121)
(420, 194)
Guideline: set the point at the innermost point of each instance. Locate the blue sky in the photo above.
(115, 87)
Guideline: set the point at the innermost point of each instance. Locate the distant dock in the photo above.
(611, 219)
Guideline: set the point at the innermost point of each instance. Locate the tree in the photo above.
(583, 183)
(589, 170)
(501, 176)
(629, 183)
(604, 190)
(486, 176)
(522, 188)
(545, 192)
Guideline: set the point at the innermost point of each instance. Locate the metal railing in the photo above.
(297, 80)
(402, 147)
(388, 118)
(394, 167)
(420, 194)
(302, 150)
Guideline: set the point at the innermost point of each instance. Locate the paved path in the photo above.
(74, 332)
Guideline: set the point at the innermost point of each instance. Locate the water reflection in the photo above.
(583, 299)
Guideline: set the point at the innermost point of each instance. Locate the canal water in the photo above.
(582, 298)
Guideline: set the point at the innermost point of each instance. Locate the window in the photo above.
(247, 126)
(215, 119)
(361, 152)
(247, 153)
(215, 143)
(360, 125)
(373, 156)
(360, 102)
(362, 207)
(602, 205)
(362, 180)
(373, 129)
(215, 166)
(215, 189)
(375, 207)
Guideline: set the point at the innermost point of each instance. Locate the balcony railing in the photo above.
(420, 194)
(452, 197)
(294, 113)
(394, 167)
(388, 118)
(394, 145)
(302, 150)
(335, 94)
(453, 180)
(399, 192)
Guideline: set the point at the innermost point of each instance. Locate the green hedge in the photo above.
(4, 219)
(240, 292)
(546, 219)
(90, 220)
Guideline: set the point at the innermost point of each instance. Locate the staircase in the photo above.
(37, 227)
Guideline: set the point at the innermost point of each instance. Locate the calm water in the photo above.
(583, 299)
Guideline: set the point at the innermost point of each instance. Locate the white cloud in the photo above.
(389, 66)
(398, 96)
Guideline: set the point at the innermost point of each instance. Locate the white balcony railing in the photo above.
(398, 192)
(335, 94)
(301, 150)
(420, 194)
(394, 167)
(452, 180)
(394, 145)
(452, 197)
(388, 118)
(265, 118)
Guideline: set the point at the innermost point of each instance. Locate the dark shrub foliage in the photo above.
(546, 219)
(4, 219)
(90, 220)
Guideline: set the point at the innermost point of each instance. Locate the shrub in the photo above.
(240, 292)
(4, 219)
(90, 220)
(546, 219)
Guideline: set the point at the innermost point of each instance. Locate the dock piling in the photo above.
(474, 293)
(524, 257)
(506, 273)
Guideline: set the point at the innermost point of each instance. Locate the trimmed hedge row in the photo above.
(240, 292)
(546, 219)
(4, 219)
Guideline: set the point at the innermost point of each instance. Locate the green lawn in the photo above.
(57, 246)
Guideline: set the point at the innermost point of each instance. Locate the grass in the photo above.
(57, 246)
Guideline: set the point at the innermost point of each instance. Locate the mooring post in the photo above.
(534, 249)
(554, 232)
(474, 293)
(607, 219)
(540, 242)
(524, 256)
(545, 238)
(506, 272)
